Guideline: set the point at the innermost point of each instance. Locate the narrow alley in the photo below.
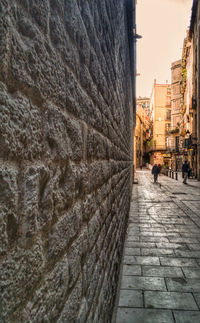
(161, 262)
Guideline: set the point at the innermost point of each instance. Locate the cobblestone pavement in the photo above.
(160, 276)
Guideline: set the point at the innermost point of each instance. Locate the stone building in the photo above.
(66, 117)
(195, 38)
(188, 124)
(160, 107)
(142, 131)
(173, 129)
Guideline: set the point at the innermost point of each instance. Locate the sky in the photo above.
(162, 25)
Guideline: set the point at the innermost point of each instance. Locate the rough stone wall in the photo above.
(65, 157)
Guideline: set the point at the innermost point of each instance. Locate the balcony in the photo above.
(172, 130)
(157, 148)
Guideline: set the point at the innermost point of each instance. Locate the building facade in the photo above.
(142, 131)
(160, 110)
(173, 129)
(195, 38)
(188, 124)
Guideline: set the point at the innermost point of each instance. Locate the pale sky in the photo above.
(163, 25)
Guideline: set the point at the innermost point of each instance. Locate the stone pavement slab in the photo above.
(183, 284)
(134, 315)
(131, 270)
(170, 300)
(141, 260)
(131, 298)
(160, 274)
(186, 316)
(191, 272)
(161, 271)
(143, 283)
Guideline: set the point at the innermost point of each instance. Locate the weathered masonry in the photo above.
(66, 111)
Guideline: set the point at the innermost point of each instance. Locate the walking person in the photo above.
(185, 169)
(155, 172)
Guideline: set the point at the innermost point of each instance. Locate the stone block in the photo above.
(187, 316)
(63, 135)
(73, 303)
(50, 298)
(9, 218)
(169, 300)
(162, 271)
(64, 183)
(130, 298)
(143, 315)
(21, 270)
(143, 283)
(20, 127)
(76, 252)
(60, 235)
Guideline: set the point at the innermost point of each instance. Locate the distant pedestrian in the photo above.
(141, 166)
(155, 171)
(185, 170)
(159, 166)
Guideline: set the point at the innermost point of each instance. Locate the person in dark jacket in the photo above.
(155, 172)
(185, 169)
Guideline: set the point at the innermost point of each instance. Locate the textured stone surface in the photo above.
(167, 271)
(65, 158)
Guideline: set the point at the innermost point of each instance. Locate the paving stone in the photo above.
(159, 271)
(183, 240)
(156, 252)
(169, 300)
(146, 234)
(197, 298)
(180, 262)
(161, 234)
(130, 298)
(169, 245)
(140, 244)
(187, 316)
(183, 284)
(141, 260)
(145, 225)
(131, 270)
(194, 246)
(180, 229)
(152, 229)
(189, 254)
(190, 235)
(191, 272)
(132, 251)
(133, 315)
(132, 238)
(154, 239)
(144, 283)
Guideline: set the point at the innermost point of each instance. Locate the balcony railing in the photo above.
(155, 147)
(172, 130)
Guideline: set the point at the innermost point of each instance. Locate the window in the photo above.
(168, 115)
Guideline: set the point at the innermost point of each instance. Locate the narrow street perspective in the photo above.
(160, 274)
(99, 161)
